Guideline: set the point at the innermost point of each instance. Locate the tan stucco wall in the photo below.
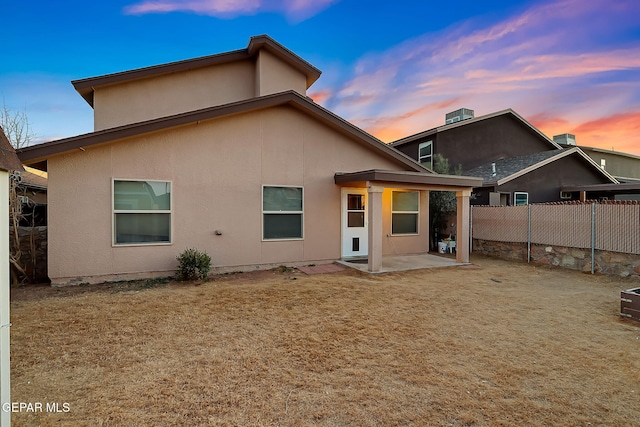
(217, 169)
(409, 244)
(274, 75)
(170, 94)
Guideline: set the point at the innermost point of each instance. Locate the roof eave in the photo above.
(406, 177)
(560, 155)
(38, 153)
(86, 87)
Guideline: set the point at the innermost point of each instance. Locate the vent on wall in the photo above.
(458, 115)
(565, 139)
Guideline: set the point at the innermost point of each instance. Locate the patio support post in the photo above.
(462, 227)
(374, 194)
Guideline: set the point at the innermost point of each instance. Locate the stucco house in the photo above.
(227, 154)
(518, 163)
(624, 167)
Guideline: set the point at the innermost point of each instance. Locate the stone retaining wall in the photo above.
(612, 263)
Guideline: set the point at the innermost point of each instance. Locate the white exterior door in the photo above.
(355, 240)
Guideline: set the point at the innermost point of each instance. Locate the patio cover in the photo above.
(375, 181)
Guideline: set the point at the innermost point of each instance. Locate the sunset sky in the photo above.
(393, 68)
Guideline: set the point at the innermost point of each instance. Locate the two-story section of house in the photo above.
(227, 154)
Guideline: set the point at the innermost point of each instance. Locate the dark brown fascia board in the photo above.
(423, 134)
(37, 153)
(405, 177)
(85, 87)
(348, 128)
(602, 187)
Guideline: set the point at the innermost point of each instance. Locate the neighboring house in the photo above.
(517, 162)
(32, 190)
(8, 163)
(623, 166)
(227, 154)
(534, 178)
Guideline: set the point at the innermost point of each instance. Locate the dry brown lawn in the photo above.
(494, 344)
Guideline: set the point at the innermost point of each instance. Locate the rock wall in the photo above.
(34, 255)
(612, 263)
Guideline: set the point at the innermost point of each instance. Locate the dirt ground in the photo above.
(496, 343)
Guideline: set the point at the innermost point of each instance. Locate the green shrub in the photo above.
(193, 265)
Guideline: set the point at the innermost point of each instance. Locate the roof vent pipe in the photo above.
(493, 169)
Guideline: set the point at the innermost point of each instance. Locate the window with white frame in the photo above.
(282, 212)
(520, 198)
(425, 154)
(405, 210)
(141, 212)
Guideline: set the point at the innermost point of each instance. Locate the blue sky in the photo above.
(392, 68)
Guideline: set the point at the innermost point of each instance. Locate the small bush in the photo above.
(193, 265)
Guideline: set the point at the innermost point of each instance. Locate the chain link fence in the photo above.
(608, 226)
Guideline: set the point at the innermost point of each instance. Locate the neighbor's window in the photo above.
(405, 208)
(141, 212)
(520, 198)
(425, 154)
(282, 209)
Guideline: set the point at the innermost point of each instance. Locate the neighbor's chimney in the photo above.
(565, 139)
(493, 169)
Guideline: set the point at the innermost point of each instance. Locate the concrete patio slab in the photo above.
(406, 262)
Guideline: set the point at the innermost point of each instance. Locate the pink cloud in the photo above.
(389, 129)
(545, 63)
(320, 96)
(294, 10)
(618, 131)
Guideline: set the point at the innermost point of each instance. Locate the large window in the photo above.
(425, 154)
(141, 212)
(282, 209)
(405, 209)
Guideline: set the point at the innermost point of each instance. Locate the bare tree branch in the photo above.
(16, 126)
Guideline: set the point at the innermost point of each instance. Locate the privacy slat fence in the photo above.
(609, 226)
